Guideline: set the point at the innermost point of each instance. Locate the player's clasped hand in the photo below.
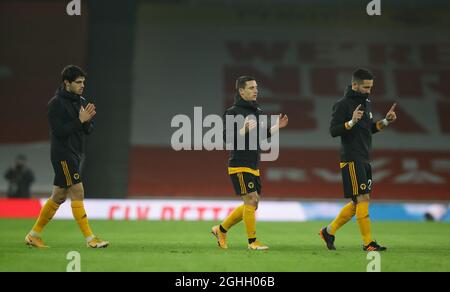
(249, 124)
(86, 114)
(357, 114)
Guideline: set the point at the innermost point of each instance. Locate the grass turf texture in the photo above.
(189, 246)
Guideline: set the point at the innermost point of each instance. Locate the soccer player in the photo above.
(352, 120)
(70, 119)
(243, 164)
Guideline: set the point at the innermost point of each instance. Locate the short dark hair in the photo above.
(241, 81)
(361, 74)
(71, 73)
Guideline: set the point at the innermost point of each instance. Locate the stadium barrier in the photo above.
(198, 210)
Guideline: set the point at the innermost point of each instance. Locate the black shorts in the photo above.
(357, 178)
(245, 183)
(67, 172)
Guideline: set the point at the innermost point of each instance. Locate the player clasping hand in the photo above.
(86, 114)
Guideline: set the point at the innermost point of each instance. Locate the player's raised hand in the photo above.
(283, 121)
(357, 114)
(391, 116)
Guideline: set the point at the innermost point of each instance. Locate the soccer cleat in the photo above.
(221, 237)
(34, 241)
(374, 246)
(256, 245)
(328, 238)
(97, 243)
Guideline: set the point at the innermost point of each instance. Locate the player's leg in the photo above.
(242, 184)
(363, 173)
(46, 214)
(345, 215)
(79, 213)
(76, 193)
(220, 231)
(361, 193)
(350, 191)
(348, 211)
(234, 218)
(362, 217)
(236, 215)
(61, 182)
(251, 201)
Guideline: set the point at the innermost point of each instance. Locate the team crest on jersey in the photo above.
(76, 176)
(251, 185)
(363, 187)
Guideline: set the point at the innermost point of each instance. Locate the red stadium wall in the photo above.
(314, 174)
(19, 208)
(41, 39)
(302, 68)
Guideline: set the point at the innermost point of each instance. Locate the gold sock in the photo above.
(46, 214)
(80, 216)
(234, 218)
(250, 220)
(362, 216)
(344, 216)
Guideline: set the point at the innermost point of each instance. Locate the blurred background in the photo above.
(148, 61)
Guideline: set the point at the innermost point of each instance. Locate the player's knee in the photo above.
(58, 199)
(254, 198)
(77, 192)
(77, 196)
(362, 215)
(252, 201)
(363, 198)
(363, 211)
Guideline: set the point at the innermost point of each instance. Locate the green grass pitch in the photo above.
(189, 246)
